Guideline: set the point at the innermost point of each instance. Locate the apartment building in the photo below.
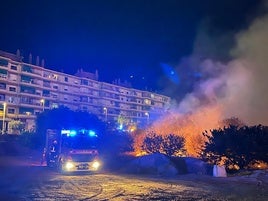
(27, 89)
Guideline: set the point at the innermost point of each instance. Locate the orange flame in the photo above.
(189, 126)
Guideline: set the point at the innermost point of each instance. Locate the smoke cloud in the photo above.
(237, 86)
(253, 49)
(216, 83)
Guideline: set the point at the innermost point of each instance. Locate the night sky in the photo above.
(135, 40)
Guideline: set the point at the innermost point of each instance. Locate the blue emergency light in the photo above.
(92, 133)
(72, 133)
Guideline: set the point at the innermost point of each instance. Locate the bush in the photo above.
(236, 147)
(31, 140)
(169, 145)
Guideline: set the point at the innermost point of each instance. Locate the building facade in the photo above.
(27, 90)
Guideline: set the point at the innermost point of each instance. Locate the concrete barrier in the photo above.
(219, 171)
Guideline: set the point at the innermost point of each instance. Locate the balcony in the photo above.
(29, 90)
(3, 73)
(3, 62)
(27, 69)
(45, 84)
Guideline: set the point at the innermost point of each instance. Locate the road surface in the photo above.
(30, 181)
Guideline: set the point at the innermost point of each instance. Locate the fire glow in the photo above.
(189, 126)
(225, 90)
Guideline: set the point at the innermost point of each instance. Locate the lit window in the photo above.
(55, 105)
(146, 101)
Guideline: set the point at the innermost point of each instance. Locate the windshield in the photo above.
(79, 142)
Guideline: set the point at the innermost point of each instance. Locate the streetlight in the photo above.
(43, 103)
(4, 116)
(147, 114)
(105, 112)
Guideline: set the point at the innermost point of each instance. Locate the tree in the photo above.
(233, 121)
(170, 145)
(236, 146)
(173, 145)
(152, 143)
(64, 118)
(16, 126)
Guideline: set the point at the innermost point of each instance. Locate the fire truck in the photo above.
(72, 150)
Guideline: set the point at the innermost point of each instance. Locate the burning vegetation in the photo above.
(210, 92)
(189, 126)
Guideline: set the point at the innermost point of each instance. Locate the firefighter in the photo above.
(53, 153)
(54, 147)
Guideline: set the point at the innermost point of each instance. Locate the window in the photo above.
(2, 86)
(3, 73)
(84, 82)
(2, 97)
(3, 62)
(26, 89)
(14, 68)
(46, 83)
(53, 76)
(46, 74)
(26, 100)
(27, 111)
(12, 89)
(46, 93)
(27, 68)
(11, 111)
(13, 77)
(55, 87)
(26, 79)
(84, 107)
(55, 105)
(66, 79)
(146, 101)
(83, 99)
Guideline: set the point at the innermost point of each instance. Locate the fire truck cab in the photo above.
(72, 150)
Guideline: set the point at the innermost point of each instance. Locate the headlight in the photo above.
(69, 166)
(96, 164)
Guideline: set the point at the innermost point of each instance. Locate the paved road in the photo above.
(34, 182)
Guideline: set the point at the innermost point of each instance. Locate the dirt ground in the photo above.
(250, 187)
